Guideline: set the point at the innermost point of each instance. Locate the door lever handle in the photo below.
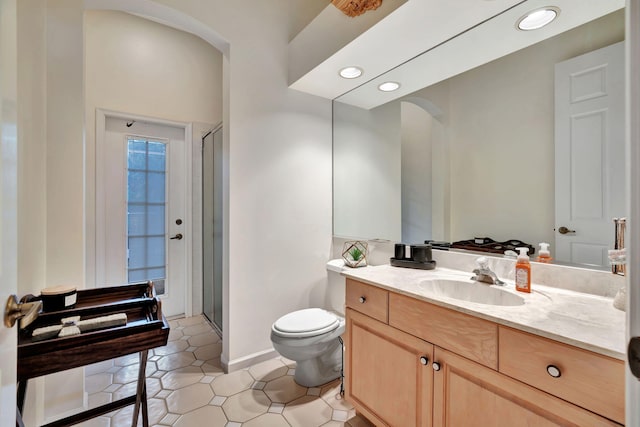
(26, 312)
(565, 230)
(177, 237)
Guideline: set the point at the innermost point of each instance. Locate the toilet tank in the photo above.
(335, 286)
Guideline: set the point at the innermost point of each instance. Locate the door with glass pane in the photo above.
(144, 190)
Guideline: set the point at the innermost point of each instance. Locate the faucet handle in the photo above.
(483, 262)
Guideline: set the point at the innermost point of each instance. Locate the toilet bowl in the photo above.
(311, 337)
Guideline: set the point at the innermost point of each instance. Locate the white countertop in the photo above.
(583, 320)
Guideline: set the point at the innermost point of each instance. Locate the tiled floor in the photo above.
(186, 387)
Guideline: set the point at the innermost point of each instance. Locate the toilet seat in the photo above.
(305, 323)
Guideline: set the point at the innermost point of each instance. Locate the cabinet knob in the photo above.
(424, 360)
(435, 366)
(363, 300)
(554, 371)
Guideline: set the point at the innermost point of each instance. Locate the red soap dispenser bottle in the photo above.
(523, 271)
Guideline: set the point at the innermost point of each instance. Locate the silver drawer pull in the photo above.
(424, 360)
(554, 371)
(362, 300)
(435, 366)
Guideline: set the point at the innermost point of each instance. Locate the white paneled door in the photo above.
(8, 206)
(143, 192)
(590, 154)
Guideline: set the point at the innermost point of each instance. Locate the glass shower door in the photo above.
(212, 227)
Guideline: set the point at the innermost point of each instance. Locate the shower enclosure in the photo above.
(212, 226)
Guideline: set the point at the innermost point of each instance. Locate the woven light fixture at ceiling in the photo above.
(354, 8)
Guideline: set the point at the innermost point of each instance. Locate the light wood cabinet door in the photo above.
(467, 394)
(388, 374)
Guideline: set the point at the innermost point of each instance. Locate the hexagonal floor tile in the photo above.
(189, 398)
(127, 360)
(230, 384)
(171, 347)
(205, 416)
(331, 394)
(126, 375)
(175, 361)
(308, 411)
(204, 339)
(359, 421)
(156, 410)
(284, 389)
(175, 335)
(268, 370)
(246, 405)
(212, 368)
(202, 328)
(182, 377)
(190, 321)
(267, 420)
(208, 352)
(153, 387)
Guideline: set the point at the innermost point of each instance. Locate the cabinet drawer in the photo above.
(589, 380)
(367, 300)
(468, 336)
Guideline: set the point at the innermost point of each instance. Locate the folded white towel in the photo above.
(74, 326)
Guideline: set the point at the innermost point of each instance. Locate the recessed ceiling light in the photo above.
(538, 18)
(351, 72)
(388, 86)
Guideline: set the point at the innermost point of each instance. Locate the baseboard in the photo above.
(246, 361)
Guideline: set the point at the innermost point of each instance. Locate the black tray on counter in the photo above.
(407, 263)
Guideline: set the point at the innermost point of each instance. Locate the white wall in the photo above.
(136, 66)
(416, 128)
(367, 171)
(278, 175)
(50, 192)
(65, 143)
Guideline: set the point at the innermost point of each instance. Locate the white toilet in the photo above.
(311, 337)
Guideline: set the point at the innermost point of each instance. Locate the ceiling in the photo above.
(418, 26)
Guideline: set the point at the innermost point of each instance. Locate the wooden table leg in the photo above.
(141, 393)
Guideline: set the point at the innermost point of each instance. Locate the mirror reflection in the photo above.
(513, 149)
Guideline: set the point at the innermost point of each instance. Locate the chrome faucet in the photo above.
(484, 274)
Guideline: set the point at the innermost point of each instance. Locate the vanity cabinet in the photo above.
(389, 377)
(412, 363)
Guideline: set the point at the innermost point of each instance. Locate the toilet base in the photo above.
(322, 369)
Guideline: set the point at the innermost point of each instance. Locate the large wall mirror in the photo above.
(502, 150)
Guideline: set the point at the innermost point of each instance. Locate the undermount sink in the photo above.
(471, 292)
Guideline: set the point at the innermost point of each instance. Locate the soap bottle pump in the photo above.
(523, 271)
(544, 255)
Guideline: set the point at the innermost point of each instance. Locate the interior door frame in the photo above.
(100, 218)
(633, 197)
